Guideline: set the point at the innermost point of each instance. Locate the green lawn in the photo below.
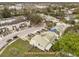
(69, 43)
(18, 48)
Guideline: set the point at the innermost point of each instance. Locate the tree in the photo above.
(76, 11)
(71, 22)
(26, 12)
(6, 13)
(68, 43)
(49, 9)
(13, 12)
(34, 19)
(49, 24)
